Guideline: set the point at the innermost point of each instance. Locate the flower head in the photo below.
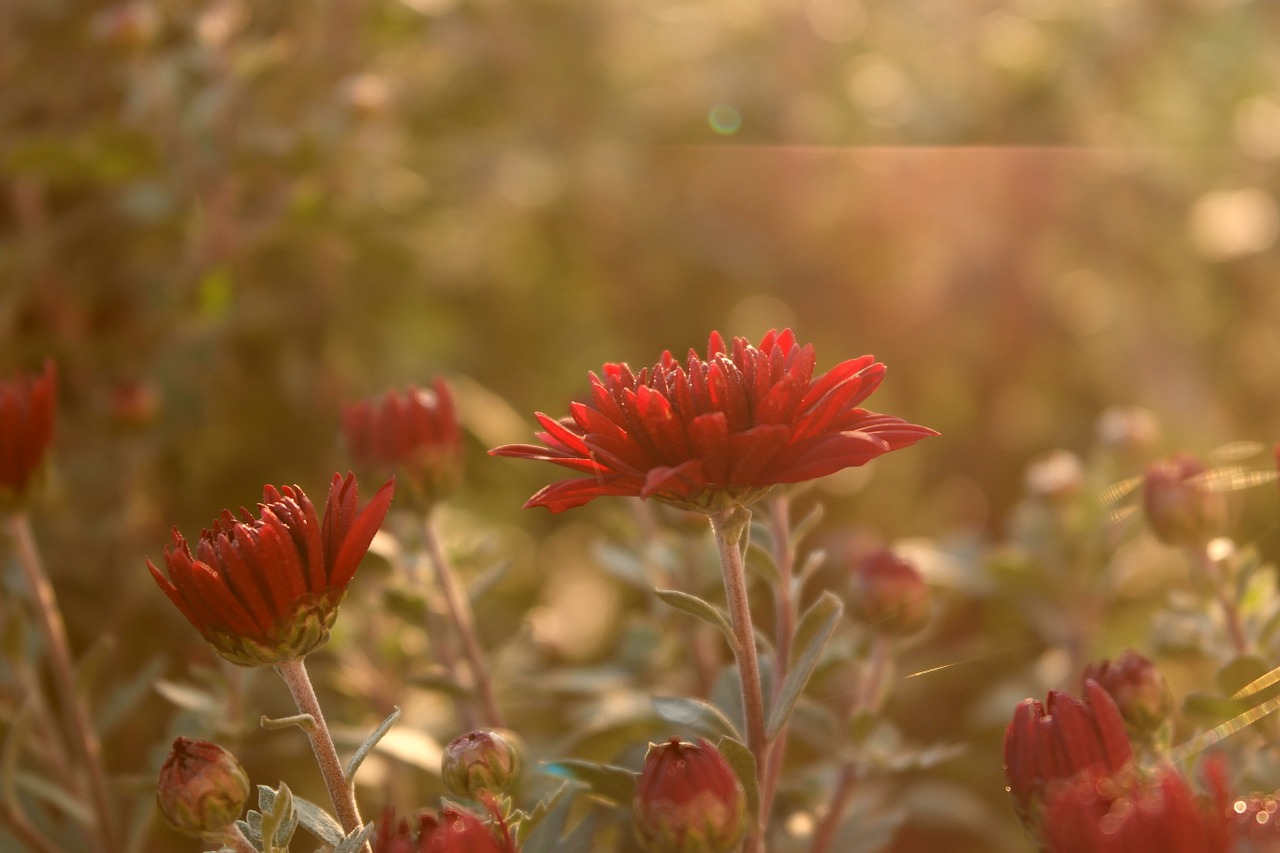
(202, 788)
(415, 434)
(1138, 688)
(888, 594)
(713, 433)
(1124, 813)
(1050, 743)
(688, 800)
(454, 830)
(479, 761)
(1178, 506)
(266, 590)
(27, 406)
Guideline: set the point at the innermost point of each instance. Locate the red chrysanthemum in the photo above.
(415, 434)
(454, 830)
(27, 406)
(709, 434)
(266, 591)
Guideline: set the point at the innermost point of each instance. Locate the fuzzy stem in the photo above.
(341, 789)
(729, 527)
(1230, 613)
(460, 614)
(17, 824)
(84, 739)
(826, 831)
(784, 555)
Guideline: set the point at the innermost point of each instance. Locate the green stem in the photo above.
(729, 527)
(80, 731)
(784, 557)
(1230, 613)
(341, 790)
(463, 622)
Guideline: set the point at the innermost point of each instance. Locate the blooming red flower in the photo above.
(1053, 742)
(688, 799)
(266, 591)
(1124, 813)
(416, 434)
(454, 830)
(27, 406)
(713, 433)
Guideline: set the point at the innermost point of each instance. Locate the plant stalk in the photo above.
(463, 622)
(729, 527)
(80, 731)
(341, 790)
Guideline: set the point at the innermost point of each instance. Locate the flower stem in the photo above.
(1230, 613)
(729, 527)
(341, 789)
(80, 731)
(460, 614)
(826, 831)
(784, 557)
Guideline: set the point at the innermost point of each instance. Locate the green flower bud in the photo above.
(479, 761)
(202, 788)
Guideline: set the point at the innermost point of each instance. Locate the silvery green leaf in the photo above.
(694, 606)
(616, 784)
(317, 821)
(354, 842)
(743, 764)
(369, 743)
(701, 717)
(812, 633)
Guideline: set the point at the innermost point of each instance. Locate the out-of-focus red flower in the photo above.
(454, 830)
(1055, 741)
(1123, 813)
(688, 800)
(717, 432)
(202, 788)
(888, 594)
(27, 406)
(1179, 508)
(415, 434)
(266, 591)
(1138, 688)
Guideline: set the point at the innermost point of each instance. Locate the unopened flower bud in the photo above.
(688, 800)
(1180, 509)
(479, 761)
(1138, 688)
(888, 594)
(202, 788)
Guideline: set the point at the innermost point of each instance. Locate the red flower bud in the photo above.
(27, 408)
(888, 594)
(688, 800)
(415, 435)
(1138, 688)
(1179, 508)
(266, 591)
(1124, 813)
(1052, 742)
(479, 761)
(202, 788)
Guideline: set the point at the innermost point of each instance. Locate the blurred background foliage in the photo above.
(224, 219)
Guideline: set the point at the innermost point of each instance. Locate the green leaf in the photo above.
(546, 821)
(811, 564)
(743, 764)
(189, 697)
(699, 716)
(694, 606)
(623, 565)
(760, 561)
(355, 842)
(125, 697)
(278, 820)
(65, 801)
(805, 526)
(90, 664)
(815, 628)
(1244, 671)
(369, 743)
(613, 783)
(318, 822)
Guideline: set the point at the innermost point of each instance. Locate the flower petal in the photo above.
(361, 532)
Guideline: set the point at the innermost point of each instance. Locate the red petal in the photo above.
(842, 372)
(664, 429)
(357, 538)
(566, 494)
(709, 441)
(679, 481)
(753, 450)
(824, 456)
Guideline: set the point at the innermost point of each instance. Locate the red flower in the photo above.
(888, 594)
(713, 433)
(1126, 814)
(1055, 742)
(1180, 508)
(455, 830)
(1138, 688)
(26, 430)
(416, 433)
(688, 798)
(267, 591)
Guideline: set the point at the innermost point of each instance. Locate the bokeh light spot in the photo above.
(725, 119)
